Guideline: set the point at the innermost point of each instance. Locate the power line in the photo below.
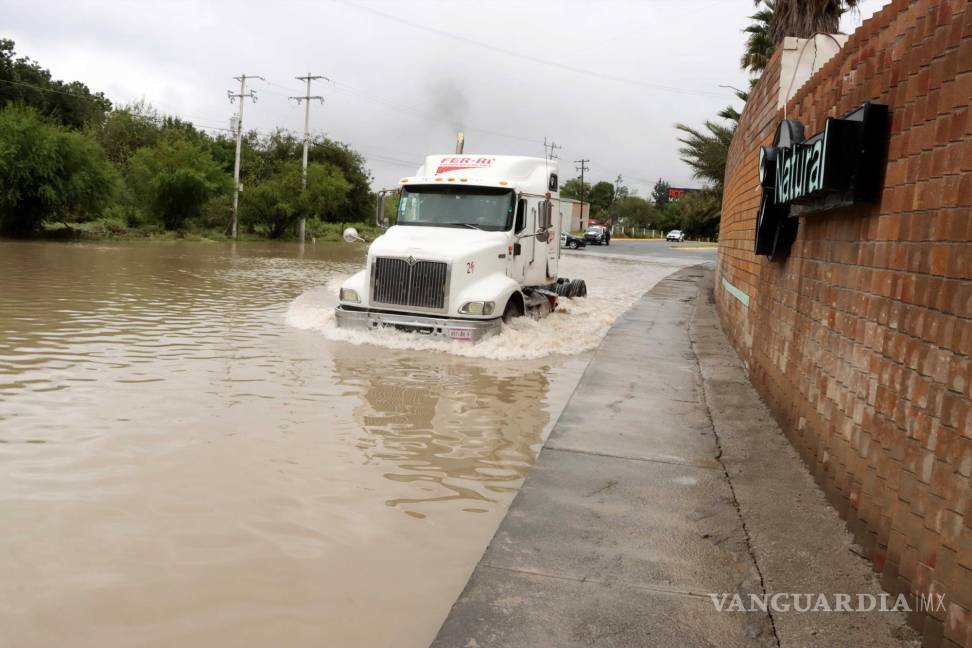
(306, 99)
(529, 57)
(37, 87)
(390, 160)
(242, 96)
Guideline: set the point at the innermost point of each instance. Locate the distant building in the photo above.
(674, 193)
(574, 215)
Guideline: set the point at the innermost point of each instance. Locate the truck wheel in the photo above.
(512, 310)
(578, 288)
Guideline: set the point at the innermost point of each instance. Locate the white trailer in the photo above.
(476, 242)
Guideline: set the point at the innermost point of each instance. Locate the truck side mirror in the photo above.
(544, 215)
(380, 209)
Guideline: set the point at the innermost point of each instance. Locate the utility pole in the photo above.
(548, 149)
(582, 168)
(307, 99)
(242, 96)
(618, 186)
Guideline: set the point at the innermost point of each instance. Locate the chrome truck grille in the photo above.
(421, 285)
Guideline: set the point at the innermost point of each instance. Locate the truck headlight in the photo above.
(477, 308)
(348, 295)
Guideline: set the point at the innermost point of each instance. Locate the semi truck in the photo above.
(475, 243)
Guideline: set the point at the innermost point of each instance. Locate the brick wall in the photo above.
(861, 340)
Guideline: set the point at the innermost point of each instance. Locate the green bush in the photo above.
(48, 173)
(173, 179)
(275, 205)
(129, 214)
(216, 213)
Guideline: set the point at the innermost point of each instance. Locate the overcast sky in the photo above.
(606, 80)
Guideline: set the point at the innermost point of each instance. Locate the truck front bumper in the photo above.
(442, 327)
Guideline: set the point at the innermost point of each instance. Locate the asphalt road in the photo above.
(653, 248)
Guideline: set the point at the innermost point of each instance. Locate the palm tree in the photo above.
(759, 42)
(779, 18)
(705, 152)
(804, 18)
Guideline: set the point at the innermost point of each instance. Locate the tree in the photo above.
(601, 198)
(128, 129)
(759, 39)
(392, 201)
(620, 191)
(278, 202)
(358, 206)
(24, 81)
(634, 211)
(48, 173)
(173, 179)
(804, 18)
(700, 212)
(668, 217)
(328, 192)
(659, 193)
(572, 189)
(262, 157)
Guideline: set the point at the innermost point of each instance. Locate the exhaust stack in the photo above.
(460, 142)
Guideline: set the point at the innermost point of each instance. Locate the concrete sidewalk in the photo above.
(665, 479)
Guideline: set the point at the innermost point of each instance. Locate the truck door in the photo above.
(523, 249)
(537, 262)
(553, 242)
(547, 248)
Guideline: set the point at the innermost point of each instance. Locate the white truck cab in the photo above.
(475, 242)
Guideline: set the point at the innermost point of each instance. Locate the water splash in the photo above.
(578, 325)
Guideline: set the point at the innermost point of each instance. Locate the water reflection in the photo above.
(452, 430)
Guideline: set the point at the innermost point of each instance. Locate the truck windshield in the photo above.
(483, 208)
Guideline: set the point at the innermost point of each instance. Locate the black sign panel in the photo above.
(841, 165)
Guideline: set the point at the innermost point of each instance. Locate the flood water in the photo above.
(191, 454)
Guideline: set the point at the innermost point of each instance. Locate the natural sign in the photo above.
(839, 166)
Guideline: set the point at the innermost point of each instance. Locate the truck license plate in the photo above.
(460, 334)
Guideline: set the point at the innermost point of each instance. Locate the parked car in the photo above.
(675, 235)
(597, 235)
(568, 240)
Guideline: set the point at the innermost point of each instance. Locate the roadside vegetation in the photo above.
(74, 166)
(638, 217)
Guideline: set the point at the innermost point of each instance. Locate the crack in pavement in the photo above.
(671, 462)
(658, 589)
(725, 470)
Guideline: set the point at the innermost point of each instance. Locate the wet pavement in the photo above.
(663, 481)
(654, 249)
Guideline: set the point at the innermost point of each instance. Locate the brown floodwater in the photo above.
(179, 465)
